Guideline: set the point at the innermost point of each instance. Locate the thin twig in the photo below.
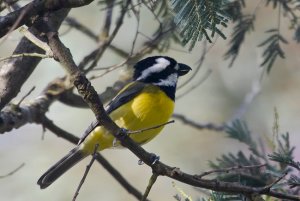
(34, 54)
(105, 43)
(104, 33)
(268, 187)
(15, 25)
(150, 128)
(136, 13)
(26, 95)
(74, 23)
(36, 41)
(227, 170)
(47, 123)
(197, 125)
(152, 180)
(13, 172)
(117, 176)
(88, 167)
(148, 47)
(108, 69)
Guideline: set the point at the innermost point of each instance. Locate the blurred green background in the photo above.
(216, 100)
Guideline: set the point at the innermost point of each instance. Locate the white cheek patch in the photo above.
(161, 64)
(170, 81)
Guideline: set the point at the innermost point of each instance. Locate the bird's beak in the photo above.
(183, 69)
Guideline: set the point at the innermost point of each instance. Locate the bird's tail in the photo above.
(59, 168)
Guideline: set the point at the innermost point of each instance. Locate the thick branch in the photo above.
(15, 116)
(15, 72)
(80, 81)
(215, 185)
(33, 11)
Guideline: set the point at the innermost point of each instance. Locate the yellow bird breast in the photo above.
(150, 108)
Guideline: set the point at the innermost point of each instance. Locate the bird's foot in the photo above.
(123, 132)
(154, 158)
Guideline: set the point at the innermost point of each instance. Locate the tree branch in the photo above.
(15, 116)
(33, 11)
(197, 125)
(152, 180)
(106, 40)
(14, 72)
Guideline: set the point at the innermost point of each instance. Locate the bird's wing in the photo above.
(124, 96)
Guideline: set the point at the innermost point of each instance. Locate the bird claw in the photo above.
(154, 158)
(122, 133)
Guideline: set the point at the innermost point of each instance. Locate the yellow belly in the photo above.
(151, 108)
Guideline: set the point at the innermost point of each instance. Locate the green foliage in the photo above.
(290, 10)
(219, 196)
(196, 18)
(234, 9)
(272, 48)
(160, 8)
(297, 34)
(239, 130)
(284, 153)
(244, 169)
(166, 29)
(203, 19)
(294, 181)
(248, 176)
(243, 25)
(288, 6)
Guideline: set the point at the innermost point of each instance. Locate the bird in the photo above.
(147, 101)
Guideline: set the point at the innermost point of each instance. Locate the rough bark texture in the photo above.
(14, 72)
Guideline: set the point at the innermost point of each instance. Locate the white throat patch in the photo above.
(170, 81)
(161, 64)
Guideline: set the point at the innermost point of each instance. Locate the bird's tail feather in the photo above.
(59, 168)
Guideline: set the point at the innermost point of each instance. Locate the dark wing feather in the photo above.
(124, 96)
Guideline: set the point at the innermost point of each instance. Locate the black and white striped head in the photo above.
(161, 71)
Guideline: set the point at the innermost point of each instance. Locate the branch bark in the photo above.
(14, 72)
(32, 11)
